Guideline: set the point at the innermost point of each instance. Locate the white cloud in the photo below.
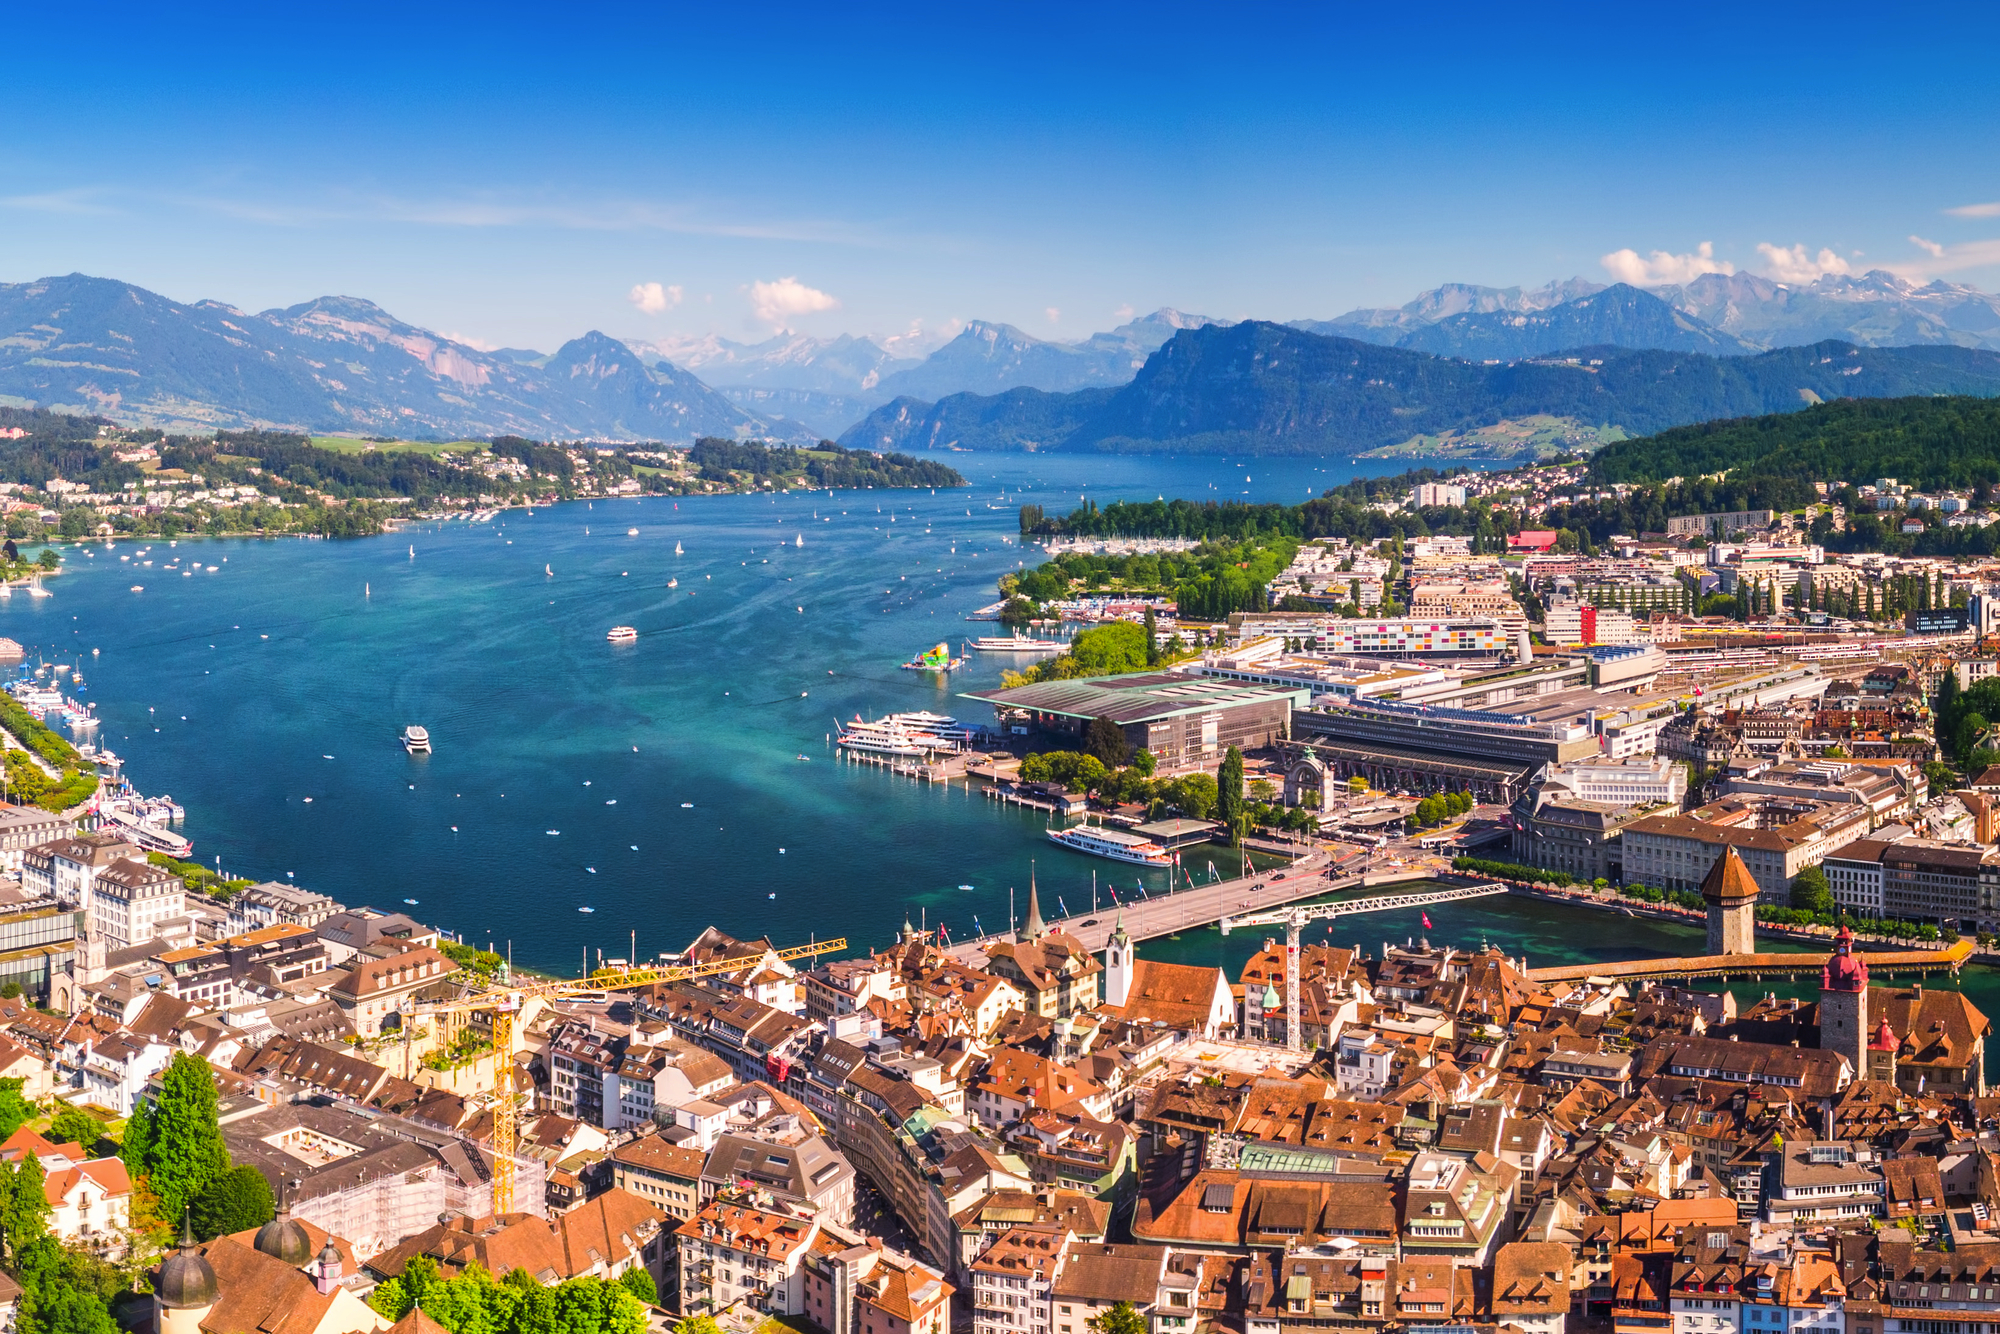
(653, 299)
(476, 344)
(1975, 211)
(1942, 259)
(1124, 312)
(1055, 316)
(1796, 266)
(1627, 266)
(777, 302)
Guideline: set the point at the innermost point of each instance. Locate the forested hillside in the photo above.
(1924, 442)
(1267, 389)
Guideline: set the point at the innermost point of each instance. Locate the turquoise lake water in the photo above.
(668, 770)
(266, 696)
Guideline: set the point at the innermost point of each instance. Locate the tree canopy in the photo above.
(173, 1140)
(474, 1302)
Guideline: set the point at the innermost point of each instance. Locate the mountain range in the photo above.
(335, 365)
(342, 365)
(826, 384)
(1717, 312)
(1257, 387)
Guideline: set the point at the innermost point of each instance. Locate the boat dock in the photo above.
(940, 769)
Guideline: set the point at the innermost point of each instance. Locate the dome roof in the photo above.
(185, 1281)
(285, 1239)
(1885, 1037)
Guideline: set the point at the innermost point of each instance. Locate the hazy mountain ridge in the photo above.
(991, 358)
(1616, 316)
(1873, 309)
(335, 364)
(841, 365)
(1268, 388)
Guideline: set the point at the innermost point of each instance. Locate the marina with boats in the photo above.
(48, 692)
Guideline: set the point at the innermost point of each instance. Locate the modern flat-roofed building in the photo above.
(1388, 636)
(1185, 721)
(1419, 747)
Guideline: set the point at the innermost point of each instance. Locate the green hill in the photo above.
(1922, 441)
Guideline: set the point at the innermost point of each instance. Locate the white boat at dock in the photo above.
(1017, 644)
(1116, 844)
(129, 824)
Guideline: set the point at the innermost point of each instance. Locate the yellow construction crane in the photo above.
(513, 1008)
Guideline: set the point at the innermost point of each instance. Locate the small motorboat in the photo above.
(586, 910)
(631, 532)
(411, 902)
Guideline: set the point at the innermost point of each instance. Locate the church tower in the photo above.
(1118, 964)
(1843, 1004)
(184, 1290)
(1034, 928)
(1731, 894)
(1882, 1053)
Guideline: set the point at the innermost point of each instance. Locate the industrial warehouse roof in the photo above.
(1135, 699)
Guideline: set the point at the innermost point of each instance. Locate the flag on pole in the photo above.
(1427, 921)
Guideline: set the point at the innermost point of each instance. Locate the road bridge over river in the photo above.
(1204, 905)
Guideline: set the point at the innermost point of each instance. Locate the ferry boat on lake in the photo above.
(417, 740)
(941, 726)
(1017, 644)
(1116, 844)
(622, 634)
(887, 739)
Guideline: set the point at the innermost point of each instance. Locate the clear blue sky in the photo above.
(513, 175)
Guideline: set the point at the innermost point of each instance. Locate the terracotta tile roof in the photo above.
(768, 1235)
(1176, 994)
(260, 1294)
(107, 1174)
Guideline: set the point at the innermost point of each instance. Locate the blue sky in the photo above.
(513, 175)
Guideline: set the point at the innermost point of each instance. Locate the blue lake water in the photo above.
(266, 696)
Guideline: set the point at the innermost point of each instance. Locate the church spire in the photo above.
(1033, 928)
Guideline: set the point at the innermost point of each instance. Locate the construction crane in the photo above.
(513, 1009)
(1295, 917)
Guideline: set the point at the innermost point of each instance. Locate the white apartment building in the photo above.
(1440, 493)
(130, 900)
(1581, 623)
(1855, 876)
(1464, 599)
(1631, 781)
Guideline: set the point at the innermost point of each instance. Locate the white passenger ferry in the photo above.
(417, 740)
(1116, 844)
